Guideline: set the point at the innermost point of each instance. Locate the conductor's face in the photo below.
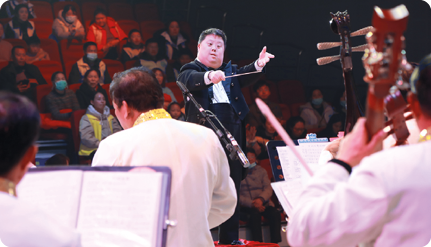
(211, 51)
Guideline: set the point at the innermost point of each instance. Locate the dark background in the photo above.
(291, 29)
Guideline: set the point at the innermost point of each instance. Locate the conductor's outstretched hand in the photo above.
(264, 57)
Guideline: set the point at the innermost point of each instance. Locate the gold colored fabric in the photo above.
(7, 186)
(425, 135)
(152, 115)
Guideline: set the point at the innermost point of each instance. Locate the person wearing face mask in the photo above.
(20, 77)
(316, 113)
(205, 78)
(61, 101)
(90, 85)
(8, 8)
(255, 201)
(96, 125)
(67, 25)
(89, 61)
(106, 33)
(20, 27)
(173, 40)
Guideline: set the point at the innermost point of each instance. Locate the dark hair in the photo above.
(293, 121)
(250, 150)
(164, 76)
(336, 100)
(213, 31)
(94, 93)
(151, 40)
(89, 71)
(19, 129)
(99, 11)
(138, 87)
(57, 159)
(66, 9)
(18, 7)
(87, 44)
(168, 109)
(310, 93)
(423, 89)
(55, 74)
(259, 84)
(134, 31)
(33, 40)
(16, 47)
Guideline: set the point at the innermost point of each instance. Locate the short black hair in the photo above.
(100, 11)
(88, 72)
(138, 87)
(87, 44)
(151, 40)
(17, 47)
(19, 129)
(20, 6)
(250, 150)
(33, 40)
(55, 74)
(57, 159)
(260, 84)
(294, 120)
(134, 31)
(214, 31)
(66, 9)
(168, 109)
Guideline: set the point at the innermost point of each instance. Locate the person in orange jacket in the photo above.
(106, 33)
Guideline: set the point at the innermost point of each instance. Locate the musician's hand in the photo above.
(333, 147)
(217, 76)
(355, 146)
(257, 203)
(264, 57)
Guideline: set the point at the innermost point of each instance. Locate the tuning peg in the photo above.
(360, 48)
(327, 45)
(326, 60)
(362, 31)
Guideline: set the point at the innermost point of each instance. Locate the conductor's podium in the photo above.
(249, 244)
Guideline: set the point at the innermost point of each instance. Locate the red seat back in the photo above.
(50, 46)
(41, 92)
(88, 9)
(176, 91)
(291, 92)
(121, 11)
(130, 64)
(3, 64)
(146, 11)
(74, 87)
(106, 87)
(71, 50)
(47, 68)
(294, 108)
(16, 42)
(43, 27)
(76, 117)
(43, 9)
(128, 25)
(113, 66)
(267, 166)
(148, 28)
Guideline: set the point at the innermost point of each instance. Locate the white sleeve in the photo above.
(257, 66)
(105, 155)
(224, 197)
(206, 79)
(335, 210)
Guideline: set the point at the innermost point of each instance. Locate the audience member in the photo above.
(61, 99)
(255, 116)
(106, 33)
(96, 125)
(339, 105)
(316, 113)
(8, 8)
(174, 109)
(20, 27)
(89, 61)
(172, 39)
(151, 58)
(251, 139)
(133, 49)
(265, 134)
(5, 47)
(173, 70)
(167, 101)
(58, 160)
(67, 25)
(161, 78)
(34, 52)
(20, 77)
(334, 126)
(296, 128)
(85, 93)
(255, 201)
(23, 224)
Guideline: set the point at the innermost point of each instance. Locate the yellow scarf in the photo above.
(152, 115)
(7, 186)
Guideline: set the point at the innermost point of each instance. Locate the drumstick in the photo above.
(254, 72)
(286, 138)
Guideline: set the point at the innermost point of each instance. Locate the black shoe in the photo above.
(235, 242)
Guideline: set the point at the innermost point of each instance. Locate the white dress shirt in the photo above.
(219, 94)
(385, 202)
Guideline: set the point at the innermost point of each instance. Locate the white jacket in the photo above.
(202, 194)
(63, 30)
(312, 118)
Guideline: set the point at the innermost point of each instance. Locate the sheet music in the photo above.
(55, 192)
(311, 153)
(119, 208)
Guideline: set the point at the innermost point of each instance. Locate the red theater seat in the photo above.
(291, 92)
(128, 25)
(176, 91)
(113, 66)
(43, 9)
(148, 28)
(16, 42)
(74, 87)
(121, 11)
(146, 11)
(88, 9)
(43, 27)
(71, 50)
(47, 68)
(50, 46)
